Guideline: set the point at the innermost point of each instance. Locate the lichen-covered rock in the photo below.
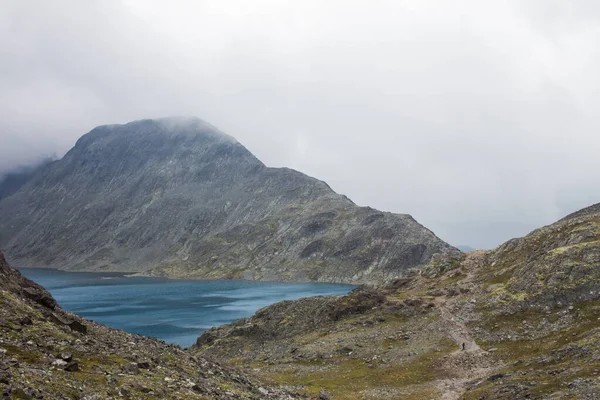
(290, 318)
(555, 264)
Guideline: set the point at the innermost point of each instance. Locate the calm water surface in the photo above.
(176, 311)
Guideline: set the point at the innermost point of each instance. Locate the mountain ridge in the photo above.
(176, 197)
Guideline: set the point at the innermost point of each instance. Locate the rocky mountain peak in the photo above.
(176, 139)
(178, 197)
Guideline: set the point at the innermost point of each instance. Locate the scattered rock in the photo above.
(5, 377)
(59, 363)
(323, 395)
(199, 389)
(78, 327)
(72, 367)
(130, 369)
(40, 296)
(20, 393)
(495, 377)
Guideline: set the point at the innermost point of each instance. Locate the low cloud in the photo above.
(478, 118)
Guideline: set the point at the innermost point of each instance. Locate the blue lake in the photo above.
(176, 311)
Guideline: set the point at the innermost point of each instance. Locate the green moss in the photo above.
(560, 350)
(343, 378)
(22, 354)
(507, 296)
(578, 246)
(501, 277)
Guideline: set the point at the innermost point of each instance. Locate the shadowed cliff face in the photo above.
(13, 180)
(176, 197)
(14, 282)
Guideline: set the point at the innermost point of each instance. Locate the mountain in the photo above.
(465, 248)
(517, 322)
(13, 180)
(176, 197)
(47, 353)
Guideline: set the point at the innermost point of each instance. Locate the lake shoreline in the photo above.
(128, 274)
(174, 310)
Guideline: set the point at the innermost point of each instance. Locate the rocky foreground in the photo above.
(47, 353)
(519, 322)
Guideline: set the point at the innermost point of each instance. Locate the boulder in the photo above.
(72, 367)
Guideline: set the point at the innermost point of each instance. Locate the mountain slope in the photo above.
(181, 198)
(48, 353)
(13, 180)
(526, 312)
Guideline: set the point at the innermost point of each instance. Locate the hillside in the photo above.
(11, 181)
(176, 197)
(526, 312)
(48, 353)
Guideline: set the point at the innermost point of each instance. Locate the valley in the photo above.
(177, 198)
(527, 313)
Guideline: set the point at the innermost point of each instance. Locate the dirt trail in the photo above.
(458, 331)
(467, 366)
(473, 363)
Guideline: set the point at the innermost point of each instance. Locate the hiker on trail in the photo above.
(463, 346)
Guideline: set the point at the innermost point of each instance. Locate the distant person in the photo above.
(463, 346)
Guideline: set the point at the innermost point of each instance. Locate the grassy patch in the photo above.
(544, 365)
(22, 354)
(343, 378)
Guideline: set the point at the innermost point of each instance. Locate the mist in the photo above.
(478, 118)
(13, 179)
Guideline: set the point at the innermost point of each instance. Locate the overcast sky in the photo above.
(480, 118)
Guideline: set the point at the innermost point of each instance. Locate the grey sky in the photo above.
(480, 118)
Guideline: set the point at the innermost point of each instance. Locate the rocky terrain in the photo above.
(176, 197)
(47, 353)
(518, 322)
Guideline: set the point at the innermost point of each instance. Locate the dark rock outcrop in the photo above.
(182, 199)
(13, 180)
(290, 318)
(14, 281)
